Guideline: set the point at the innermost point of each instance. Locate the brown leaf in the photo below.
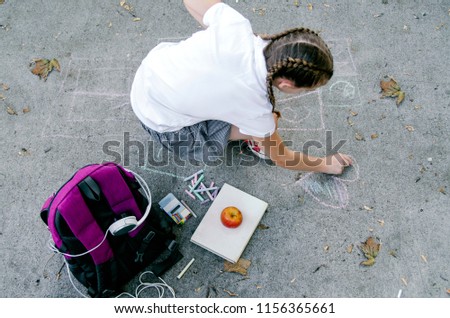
(374, 136)
(262, 226)
(370, 248)
(442, 190)
(359, 137)
(240, 267)
(24, 152)
(55, 64)
(368, 262)
(424, 258)
(350, 122)
(400, 97)
(350, 248)
(5, 87)
(2, 97)
(409, 128)
(393, 253)
(26, 110)
(42, 67)
(230, 293)
(11, 110)
(392, 89)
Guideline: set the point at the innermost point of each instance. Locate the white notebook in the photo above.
(229, 243)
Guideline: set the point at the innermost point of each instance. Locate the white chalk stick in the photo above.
(185, 268)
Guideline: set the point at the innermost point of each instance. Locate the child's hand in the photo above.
(335, 164)
(276, 115)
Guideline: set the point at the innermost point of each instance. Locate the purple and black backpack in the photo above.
(104, 224)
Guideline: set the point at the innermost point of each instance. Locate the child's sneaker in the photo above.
(253, 146)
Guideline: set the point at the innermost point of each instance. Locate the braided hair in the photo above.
(299, 55)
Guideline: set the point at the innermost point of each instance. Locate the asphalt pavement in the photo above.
(308, 242)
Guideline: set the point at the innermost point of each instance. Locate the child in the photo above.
(216, 86)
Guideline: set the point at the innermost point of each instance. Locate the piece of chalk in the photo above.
(214, 194)
(199, 196)
(205, 189)
(193, 176)
(189, 209)
(200, 179)
(189, 194)
(209, 193)
(185, 268)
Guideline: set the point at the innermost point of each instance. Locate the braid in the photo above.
(299, 55)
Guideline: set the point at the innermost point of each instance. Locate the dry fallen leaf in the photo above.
(393, 253)
(353, 113)
(26, 110)
(310, 6)
(350, 248)
(442, 190)
(424, 258)
(43, 67)
(230, 293)
(262, 226)
(359, 137)
(5, 87)
(198, 289)
(126, 6)
(409, 128)
(370, 248)
(11, 110)
(2, 97)
(240, 267)
(326, 248)
(368, 208)
(392, 89)
(374, 136)
(350, 122)
(381, 222)
(404, 281)
(24, 152)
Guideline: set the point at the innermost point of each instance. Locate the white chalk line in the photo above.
(320, 103)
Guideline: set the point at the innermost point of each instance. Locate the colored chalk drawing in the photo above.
(329, 190)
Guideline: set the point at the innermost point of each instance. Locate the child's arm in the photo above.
(198, 8)
(282, 156)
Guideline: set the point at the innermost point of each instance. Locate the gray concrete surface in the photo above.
(398, 191)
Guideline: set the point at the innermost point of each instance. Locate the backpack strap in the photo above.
(90, 189)
(45, 209)
(175, 255)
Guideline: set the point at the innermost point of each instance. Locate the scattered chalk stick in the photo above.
(185, 268)
(193, 176)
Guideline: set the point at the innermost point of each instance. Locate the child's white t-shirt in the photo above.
(217, 74)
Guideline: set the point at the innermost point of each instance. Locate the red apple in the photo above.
(231, 217)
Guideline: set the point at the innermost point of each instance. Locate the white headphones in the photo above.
(130, 223)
